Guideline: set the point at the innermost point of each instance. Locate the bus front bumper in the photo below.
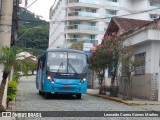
(59, 88)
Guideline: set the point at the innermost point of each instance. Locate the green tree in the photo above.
(99, 62)
(33, 66)
(114, 46)
(129, 65)
(111, 53)
(107, 54)
(77, 45)
(35, 38)
(8, 60)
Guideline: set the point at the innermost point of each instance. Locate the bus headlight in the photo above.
(50, 79)
(83, 80)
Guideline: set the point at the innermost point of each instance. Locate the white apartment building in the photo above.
(87, 20)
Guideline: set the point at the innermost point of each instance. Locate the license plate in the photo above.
(66, 86)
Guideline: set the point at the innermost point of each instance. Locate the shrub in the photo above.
(12, 90)
(16, 77)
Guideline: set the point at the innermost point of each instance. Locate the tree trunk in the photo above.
(32, 72)
(100, 87)
(114, 89)
(3, 84)
(124, 90)
(129, 87)
(101, 77)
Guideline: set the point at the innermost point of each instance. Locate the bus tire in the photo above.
(47, 95)
(40, 92)
(78, 95)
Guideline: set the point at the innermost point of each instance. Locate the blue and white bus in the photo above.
(62, 71)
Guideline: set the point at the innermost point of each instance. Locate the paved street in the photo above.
(28, 99)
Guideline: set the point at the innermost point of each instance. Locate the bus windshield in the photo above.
(66, 62)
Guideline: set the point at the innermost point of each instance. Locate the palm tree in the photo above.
(8, 60)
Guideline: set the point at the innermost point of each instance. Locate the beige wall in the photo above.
(141, 86)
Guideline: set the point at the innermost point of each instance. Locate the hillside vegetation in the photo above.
(33, 33)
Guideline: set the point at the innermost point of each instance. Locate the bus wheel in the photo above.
(78, 95)
(47, 95)
(40, 92)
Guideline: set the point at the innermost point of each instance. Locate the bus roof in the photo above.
(63, 50)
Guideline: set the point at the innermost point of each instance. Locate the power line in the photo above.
(32, 3)
(28, 6)
(139, 12)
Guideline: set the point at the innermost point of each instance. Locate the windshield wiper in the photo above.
(59, 67)
(73, 68)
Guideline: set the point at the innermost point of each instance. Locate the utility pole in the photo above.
(6, 11)
(6, 22)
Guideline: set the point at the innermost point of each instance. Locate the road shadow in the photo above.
(60, 97)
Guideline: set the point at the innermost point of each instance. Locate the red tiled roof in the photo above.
(129, 24)
(152, 24)
(125, 24)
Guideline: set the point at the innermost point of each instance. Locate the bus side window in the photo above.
(38, 64)
(43, 61)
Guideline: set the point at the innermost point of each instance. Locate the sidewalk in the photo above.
(134, 102)
(10, 108)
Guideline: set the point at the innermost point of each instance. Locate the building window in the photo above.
(112, 12)
(154, 16)
(154, 4)
(92, 37)
(77, 10)
(76, 36)
(140, 69)
(93, 23)
(74, 23)
(91, 10)
(114, 0)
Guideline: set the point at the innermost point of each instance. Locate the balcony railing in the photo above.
(82, 39)
(109, 15)
(109, 3)
(82, 27)
(84, 14)
(84, 1)
(153, 7)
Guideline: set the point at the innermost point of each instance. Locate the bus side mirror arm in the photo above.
(87, 58)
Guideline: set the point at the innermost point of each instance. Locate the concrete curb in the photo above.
(140, 103)
(11, 106)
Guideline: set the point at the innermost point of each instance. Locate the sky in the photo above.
(41, 7)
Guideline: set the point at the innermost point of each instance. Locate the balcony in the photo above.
(153, 7)
(84, 14)
(83, 27)
(114, 4)
(84, 1)
(109, 15)
(82, 39)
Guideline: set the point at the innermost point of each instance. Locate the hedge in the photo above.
(12, 90)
